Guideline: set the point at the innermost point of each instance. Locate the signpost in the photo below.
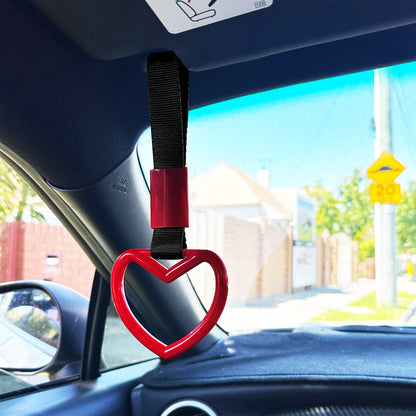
(384, 171)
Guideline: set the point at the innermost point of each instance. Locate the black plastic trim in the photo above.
(108, 395)
(97, 314)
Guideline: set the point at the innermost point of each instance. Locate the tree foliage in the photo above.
(406, 220)
(354, 202)
(348, 209)
(367, 249)
(327, 210)
(17, 199)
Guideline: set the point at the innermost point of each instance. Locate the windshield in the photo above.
(283, 186)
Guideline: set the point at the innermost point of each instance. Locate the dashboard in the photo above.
(347, 371)
(300, 399)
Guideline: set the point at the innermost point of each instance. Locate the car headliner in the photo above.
(73, 83)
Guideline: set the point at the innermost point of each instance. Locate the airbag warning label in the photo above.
(181, 15)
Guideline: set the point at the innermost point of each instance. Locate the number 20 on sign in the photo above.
(386, 193)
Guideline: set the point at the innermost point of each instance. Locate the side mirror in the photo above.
(42, 328)
(30, 329)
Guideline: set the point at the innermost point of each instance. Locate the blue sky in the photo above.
(304, 134)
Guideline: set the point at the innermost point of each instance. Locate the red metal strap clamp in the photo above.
(169, 206)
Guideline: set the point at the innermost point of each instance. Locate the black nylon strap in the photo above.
(168, 84)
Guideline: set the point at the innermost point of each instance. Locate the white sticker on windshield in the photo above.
(181, 15)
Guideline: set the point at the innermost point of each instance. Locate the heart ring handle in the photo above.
(192, 259)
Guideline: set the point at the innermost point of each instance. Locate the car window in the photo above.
(120, 347)
(279, 188)
(34, 246)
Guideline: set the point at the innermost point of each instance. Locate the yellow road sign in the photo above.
(385, 169)
(386, 194)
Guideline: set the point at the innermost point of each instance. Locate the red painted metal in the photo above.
(169, 198)
(192, 259)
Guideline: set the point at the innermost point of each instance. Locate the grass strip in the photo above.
(365, 309)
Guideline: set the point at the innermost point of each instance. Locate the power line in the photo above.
(399, 98)
(319, 131)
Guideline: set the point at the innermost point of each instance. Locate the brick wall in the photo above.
(242, 256)
(257, 256)
(32, 251)
(275, 273)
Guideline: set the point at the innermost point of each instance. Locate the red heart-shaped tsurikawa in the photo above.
(192, 259)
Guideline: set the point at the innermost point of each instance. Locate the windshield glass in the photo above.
(284, 187)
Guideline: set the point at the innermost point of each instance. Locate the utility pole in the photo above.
(384, 214)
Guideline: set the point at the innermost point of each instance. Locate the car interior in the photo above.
(73, 104)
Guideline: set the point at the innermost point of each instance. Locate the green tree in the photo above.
(347, 209)
(367, 249)
(406, 220)
(327, 210)
(355, 207)
(367, 242)
(17, 198)
(350, 211)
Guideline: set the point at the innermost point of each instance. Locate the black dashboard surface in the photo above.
(266, 372)
(311, 354)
